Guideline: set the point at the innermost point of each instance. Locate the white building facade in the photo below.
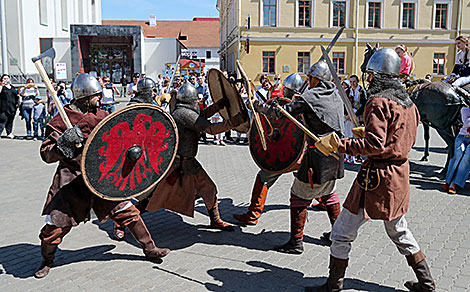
(33, 26)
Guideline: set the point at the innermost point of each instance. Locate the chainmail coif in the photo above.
(389, 87)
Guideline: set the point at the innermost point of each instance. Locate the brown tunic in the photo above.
(186, 180)
(69, 201)
(390, 132)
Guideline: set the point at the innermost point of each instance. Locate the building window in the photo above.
(63, 12)
(374, 14)
(408, 15)
(269, 12)
(339, 13)
(43, 12)
(338, 62)
(303, 62)
(208, 54)
(438, 64)
(268, 62)
(441, 16)
(305, 12)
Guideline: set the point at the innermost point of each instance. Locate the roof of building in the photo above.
(199, 32)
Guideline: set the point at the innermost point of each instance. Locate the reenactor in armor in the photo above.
(322, 108)
(69, 200)
(381, 190)
(187, 180)
(264, 180)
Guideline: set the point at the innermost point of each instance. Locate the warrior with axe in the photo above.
(322, 109)
(69, 200)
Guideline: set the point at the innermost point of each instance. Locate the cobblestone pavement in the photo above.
(206, 260)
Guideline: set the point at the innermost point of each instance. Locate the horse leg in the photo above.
(426, 129)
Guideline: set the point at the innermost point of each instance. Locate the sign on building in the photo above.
(61, 71)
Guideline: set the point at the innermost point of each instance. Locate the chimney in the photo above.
(153, 20)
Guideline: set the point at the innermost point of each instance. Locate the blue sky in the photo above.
(163, 9)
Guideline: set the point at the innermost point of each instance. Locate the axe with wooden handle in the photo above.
(37, 62)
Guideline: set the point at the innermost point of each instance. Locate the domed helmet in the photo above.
(86, 85)
(385, 61)
(187, 93)
(293, 82)
(145, 85)
(320, 71)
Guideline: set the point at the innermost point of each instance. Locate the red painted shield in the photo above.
(284, 140)
(110, 167)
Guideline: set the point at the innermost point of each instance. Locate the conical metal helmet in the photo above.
(145, 85)
(320, 70)
(86, 85)
(187, 93)
(293, 82)
(385, 61)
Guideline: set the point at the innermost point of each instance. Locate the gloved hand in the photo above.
(359, 132)
(328, 144)
(69, 140)
(236, 120)
(164, 98)
(221, 103)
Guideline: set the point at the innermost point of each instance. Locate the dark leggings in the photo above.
(6, 122)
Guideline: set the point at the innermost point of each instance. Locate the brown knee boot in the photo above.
(142, 235)
(48, 254)
(216, 221)
(335, 279)
(298, 216)
(333, 212)
(258, 198)
(420, 267)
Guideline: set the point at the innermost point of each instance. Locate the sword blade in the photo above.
(342, 93)
(328, 49)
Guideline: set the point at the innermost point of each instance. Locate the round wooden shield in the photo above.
(284, 140)
(219, 87)
(129, 152)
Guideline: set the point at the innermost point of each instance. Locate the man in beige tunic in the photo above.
(381, 190)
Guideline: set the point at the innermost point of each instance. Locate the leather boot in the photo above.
(335, 280)
(298, 216)
(420, 267)
(48, 254)
(216, 222)
(142, 235)
(258, 198)
(333, 213)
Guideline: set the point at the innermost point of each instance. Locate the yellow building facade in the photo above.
(284, 36)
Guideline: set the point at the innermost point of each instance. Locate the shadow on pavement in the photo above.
(442, 150)
(21, 260)
(274, 278)
(169, 230)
